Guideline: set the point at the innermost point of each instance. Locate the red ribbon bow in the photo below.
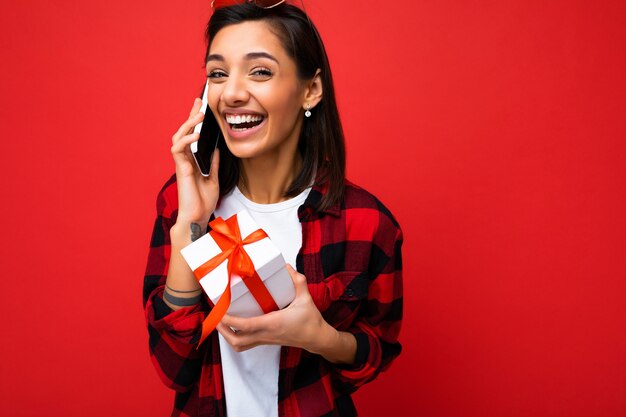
(228, 237)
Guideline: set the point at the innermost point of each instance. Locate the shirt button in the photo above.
(349, 292)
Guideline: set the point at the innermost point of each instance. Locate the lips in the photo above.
(243, 123)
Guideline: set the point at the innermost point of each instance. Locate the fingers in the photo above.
(239, 340)
(195, 117)
(181, 145)
(229, 335)
(245, 324)
(197, 105)
(183, 136)
(186, 127)
(225, 330)
(292, 272)
(232, 321)
(299, 280)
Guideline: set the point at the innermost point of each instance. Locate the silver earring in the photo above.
(307, 113)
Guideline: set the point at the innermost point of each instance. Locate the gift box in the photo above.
(237, 259)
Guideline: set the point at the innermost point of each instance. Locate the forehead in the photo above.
(237, 40)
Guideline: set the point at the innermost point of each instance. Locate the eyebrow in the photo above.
(248, 57)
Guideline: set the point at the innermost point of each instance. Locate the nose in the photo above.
(235, 91)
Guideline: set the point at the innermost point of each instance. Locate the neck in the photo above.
(265, 180)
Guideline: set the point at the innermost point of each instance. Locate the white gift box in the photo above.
(268, 262)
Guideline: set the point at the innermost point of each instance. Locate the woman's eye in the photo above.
(263, 72)
(216, 74)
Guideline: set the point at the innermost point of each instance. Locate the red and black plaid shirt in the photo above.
(351, 257)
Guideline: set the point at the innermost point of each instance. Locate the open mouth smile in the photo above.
(243, 122)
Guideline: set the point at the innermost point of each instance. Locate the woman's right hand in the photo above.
(197, 195)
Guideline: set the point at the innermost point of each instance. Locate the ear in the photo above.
(314, 90)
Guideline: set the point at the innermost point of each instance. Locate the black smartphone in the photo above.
(204, 148)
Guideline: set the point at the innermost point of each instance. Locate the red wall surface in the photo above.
(494, 131)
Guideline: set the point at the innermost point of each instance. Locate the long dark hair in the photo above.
(321, 142)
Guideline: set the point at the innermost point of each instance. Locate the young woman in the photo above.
(281, 157)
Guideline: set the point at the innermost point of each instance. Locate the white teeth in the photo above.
(246, 118)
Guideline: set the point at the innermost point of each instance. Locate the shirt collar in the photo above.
(318, 191)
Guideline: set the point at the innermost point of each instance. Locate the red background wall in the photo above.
(494, 130)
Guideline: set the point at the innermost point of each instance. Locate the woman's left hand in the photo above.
(299, 325)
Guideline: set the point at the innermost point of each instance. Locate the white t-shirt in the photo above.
(251, 377)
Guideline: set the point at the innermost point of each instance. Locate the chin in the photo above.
(243, 150)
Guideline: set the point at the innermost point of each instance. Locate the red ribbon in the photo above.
(228, 237)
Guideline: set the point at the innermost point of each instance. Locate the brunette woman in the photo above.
(281, 157)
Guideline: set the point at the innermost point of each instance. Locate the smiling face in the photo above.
(254, 91)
